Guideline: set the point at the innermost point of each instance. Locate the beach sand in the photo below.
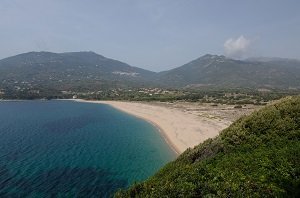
(182, 126)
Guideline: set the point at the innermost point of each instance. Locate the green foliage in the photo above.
(51, 75)
(257, 156)
(220, 71)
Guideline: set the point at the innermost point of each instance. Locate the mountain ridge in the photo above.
(89, 71)
(69, 71)
(218, 71)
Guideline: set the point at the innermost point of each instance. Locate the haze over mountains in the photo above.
(90, 71)
(69, 71)
(219, 71)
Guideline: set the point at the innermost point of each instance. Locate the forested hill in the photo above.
(257, 156)
(220, 71)
(79, 71)
(46, 74)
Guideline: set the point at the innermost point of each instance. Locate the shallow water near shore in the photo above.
(67, 149)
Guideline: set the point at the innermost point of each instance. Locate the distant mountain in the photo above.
(46, 74)
(220, 71)
(69, 71)
(271, 59)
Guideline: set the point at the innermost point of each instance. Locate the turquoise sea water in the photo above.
(71, 149)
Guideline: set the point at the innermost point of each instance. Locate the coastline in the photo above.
(12, 100)
(180, 129)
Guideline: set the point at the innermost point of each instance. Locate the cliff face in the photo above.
(257, 156)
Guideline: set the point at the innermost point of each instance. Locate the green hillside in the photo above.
(223, 72)
(47, 74)
(50, 73)
(257, 156)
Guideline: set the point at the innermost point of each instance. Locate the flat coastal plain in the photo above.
(183, 124)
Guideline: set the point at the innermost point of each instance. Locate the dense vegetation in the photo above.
(62, 75)
(218, 96)
(40, 73)
(257, 156)
(223, 72)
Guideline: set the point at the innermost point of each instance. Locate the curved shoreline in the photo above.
(180, 129)
(160, 130)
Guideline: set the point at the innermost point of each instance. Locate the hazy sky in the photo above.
(152, 34)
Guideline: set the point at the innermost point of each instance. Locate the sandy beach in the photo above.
(181, 126)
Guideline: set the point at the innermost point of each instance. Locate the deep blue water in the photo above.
(71, 149)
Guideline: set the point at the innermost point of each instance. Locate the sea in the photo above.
(71, 149)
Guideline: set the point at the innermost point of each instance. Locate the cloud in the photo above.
(237, 48)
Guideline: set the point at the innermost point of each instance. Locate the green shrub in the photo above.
(257, 156)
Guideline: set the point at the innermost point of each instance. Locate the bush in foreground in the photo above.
(257, 156)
